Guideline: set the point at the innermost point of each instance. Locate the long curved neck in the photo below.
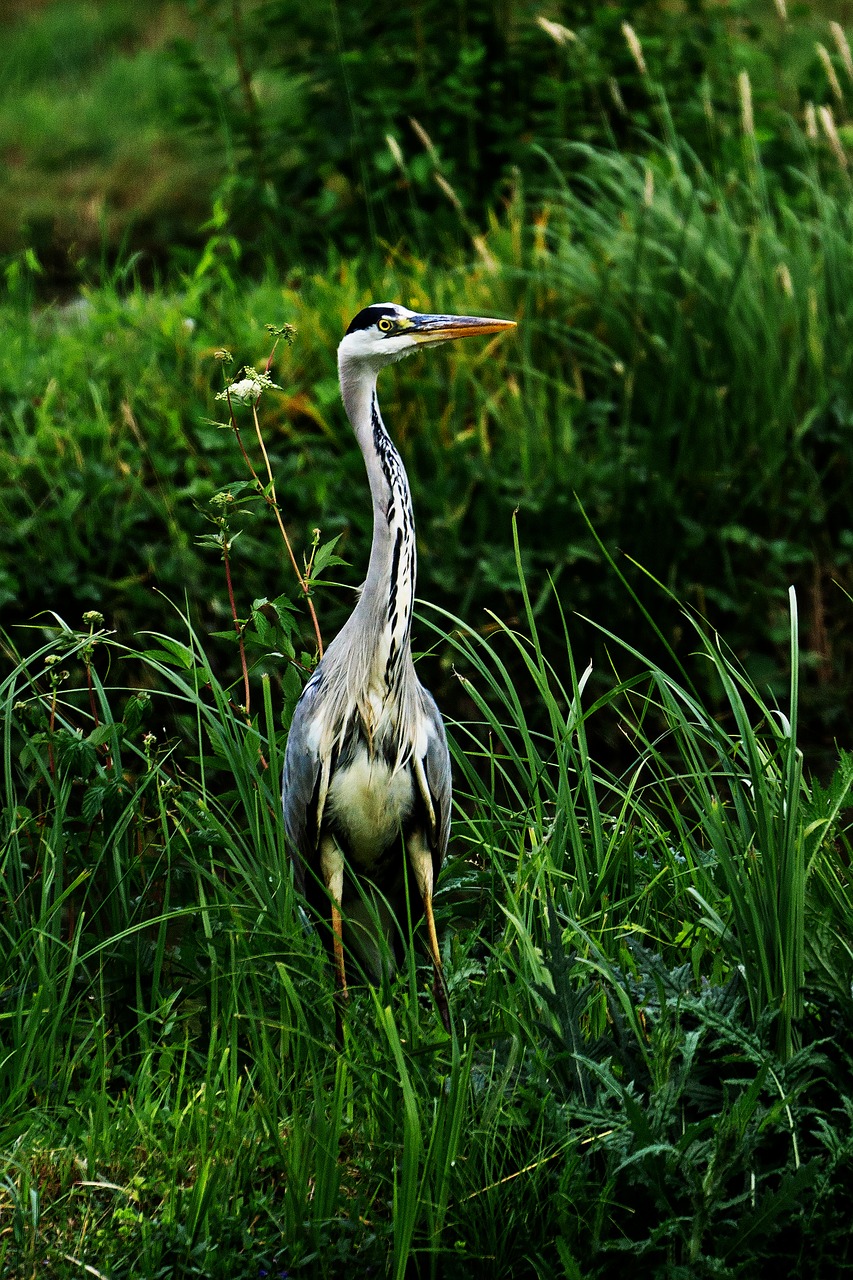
(383, 614)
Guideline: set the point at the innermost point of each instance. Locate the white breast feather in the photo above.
(370, 800)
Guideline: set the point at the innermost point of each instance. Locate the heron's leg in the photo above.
(332, 870)
(420, 858)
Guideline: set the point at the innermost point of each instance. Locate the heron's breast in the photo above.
(369, 801)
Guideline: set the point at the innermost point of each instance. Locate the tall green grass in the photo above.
(637, 1020)
(87, 184)
(646, 913)
(682, 367)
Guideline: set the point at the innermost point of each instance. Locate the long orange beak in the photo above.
(443, 328)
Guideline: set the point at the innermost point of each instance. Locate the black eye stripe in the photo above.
(370, 316)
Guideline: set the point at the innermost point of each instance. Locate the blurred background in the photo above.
(646, 911)
(660, 193)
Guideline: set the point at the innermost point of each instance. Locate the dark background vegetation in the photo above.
(647, 911)
(665, 377)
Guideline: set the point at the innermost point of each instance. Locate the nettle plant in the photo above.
(272, 627)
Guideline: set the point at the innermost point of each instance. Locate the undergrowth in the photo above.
(646, 912)
(680, 373)
(649, 975)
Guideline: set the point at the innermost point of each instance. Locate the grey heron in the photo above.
(366, 783)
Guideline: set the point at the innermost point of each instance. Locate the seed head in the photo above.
(636, 48)
(746, 116)
(394, 147)
(558, 33)
(831, 74)
(828, 121)
(811, 122)
(783, 275)
(843, 47)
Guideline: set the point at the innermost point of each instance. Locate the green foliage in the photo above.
(646, 915)
(375, 121)
(357, 125)
(95, 167)
(701, 425)
(618, 1078)
(682, 367)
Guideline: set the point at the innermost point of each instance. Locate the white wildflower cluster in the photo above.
(249, 388)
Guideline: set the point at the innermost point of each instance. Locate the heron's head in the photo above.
(385, 332)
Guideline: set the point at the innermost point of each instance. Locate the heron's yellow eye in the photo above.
(386, 325)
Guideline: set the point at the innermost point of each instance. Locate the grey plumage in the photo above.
(367, 769)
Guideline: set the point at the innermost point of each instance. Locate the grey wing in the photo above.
(299, 784)
(437, 773)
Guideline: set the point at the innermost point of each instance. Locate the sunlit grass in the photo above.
(93, 153)
(680, 368)
(646, 912)
(169, 1076)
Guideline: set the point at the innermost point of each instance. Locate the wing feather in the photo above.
(436, 771)
(301, 785)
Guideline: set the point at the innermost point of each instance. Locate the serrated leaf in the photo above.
(103, 734)
(210, 541)
(774, 1205)
(137, 707)
(288, 617)
(283, 604)
(324, 557)
(266, 631)
(93, 802)
(172, 653)
(75, 754)
(238, 486)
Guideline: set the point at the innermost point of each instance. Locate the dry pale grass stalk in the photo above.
(843, 47)
(781, 9)
(484, 253)
(424, 137)
(616, 95)
(744, 89)
(442, 182)
(810, 116)
(828, 121)
(636, 48)
(783, 275)
(394, 147)
(831, 74)
(648, 188)
(556, 30)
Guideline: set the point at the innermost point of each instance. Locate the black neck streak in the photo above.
(396, 626)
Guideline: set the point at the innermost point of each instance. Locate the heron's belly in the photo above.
(368, 802)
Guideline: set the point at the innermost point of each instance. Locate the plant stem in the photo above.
(237, 626)
(269, 496)
(273, 502)
(51, 725)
